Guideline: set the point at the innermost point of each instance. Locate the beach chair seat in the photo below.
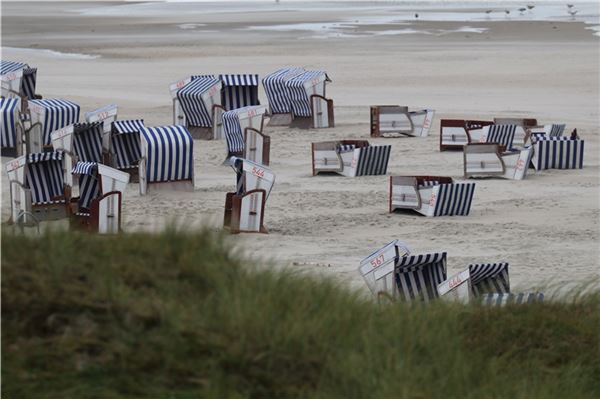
(245, 208)
(50, 115)
(430, 195)
(195, 100)
(350, 158)
(98, 206)
(235, 123)
(557, 153)
(481, 159)
(504, 299)
(124, 146)
(395, 121)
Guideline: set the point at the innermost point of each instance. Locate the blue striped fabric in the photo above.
(170, 153)
(299, 99)
(44, 176)
(557, 130)
(87, 141)
(9, 109)
(11, 66)
(373, 160)
(346, 148)
(89, 187)
(429, 183)
(277, 91)
(125, 142)
(190, 98)
(417, 276)
(454, 199)
(502, 134)
(84, 168)
(233, 132)
(239, 91)
(502, 299)
(489, 277)
(59, 113)
(29, 76)
(558, 153)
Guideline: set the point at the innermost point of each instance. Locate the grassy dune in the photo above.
(179, 315)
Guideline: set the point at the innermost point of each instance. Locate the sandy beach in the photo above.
(546, 226)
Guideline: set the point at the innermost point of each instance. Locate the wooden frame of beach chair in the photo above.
(322, 112)
(483, 159)
(107, 115)
(245, 208)
(51, 115)
(257, 146)
(38, 188)
(377, 268)
(430, 195)
(454, 133)
(101, 187)
(278, 95)
(523, 122)
(124, 146)
(395, 121)
(174, 170)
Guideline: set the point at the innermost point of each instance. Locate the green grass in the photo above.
(181, 315)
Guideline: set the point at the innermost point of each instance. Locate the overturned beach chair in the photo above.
(557, 152)
(309, 106)
(483, 160)
(197, 104)
(81, 141)
(11, 127)
(393, 272)
(167, 159)
(242, 128)
(245, 208)
(454, 133)
(395, 120)
(107, 115)
(475, 281)
(47, 116)
(39, 189)
(431, 195)
(495, 299)
(18, 80)
(98, 207)
(350, 158)
(278, 95)
(550, 130)
(124, 146)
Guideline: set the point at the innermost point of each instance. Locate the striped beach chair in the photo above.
(239, 90)
(483, 160)
(81, 141)
(107, 115)
(124, 146)
(98, 206)
(278, 95)
(245, 208)
(167, 159)
(395, 121)
(197, 104)
(503, 299)
(11, 127)
(393, 272)
(430, 195)
(557, 153)
(38, 189)
(49, 115)
(18, 79)
(236, 126)
(309, 106)
(350, 158)
(549, 130)
(455, 133)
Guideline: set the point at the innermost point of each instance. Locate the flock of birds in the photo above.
(530, 7)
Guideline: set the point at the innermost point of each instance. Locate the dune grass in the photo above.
(180, 315)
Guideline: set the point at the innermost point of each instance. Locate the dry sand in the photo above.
(546, 226)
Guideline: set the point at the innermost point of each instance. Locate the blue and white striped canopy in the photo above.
(502, 299)
(59, 113)
(170, 153)
(87, 141)
(277, 91)
(233, 130)
(299, 99)
(417, 276)
(190, 98)
(89, 186)
(127, 126)
(84, 168)
(502, 135)
(29, 76)
(454, 199)
(558, 153)
(9, 109)
(239, 91)
(125, 142)
(44, 176)
(489, 277)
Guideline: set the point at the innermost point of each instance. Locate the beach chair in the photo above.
(107, 115)
(309, 106)
(197, 104)
(550, 130)
(393, 272)
(39, 188)
(483, 160)
(235, 125)
(167, 159)
(454, 133)
(496, 299)
(11, 127)
(350, 158)
(245, 208)
(98, 206)
(475, 281)
(278, 95)
(395, 121)
(430, 195)
(18, 80)
(239, 91)
(81, 141)
(124, 146)
(47, 116)
(557, 153)
(523, 122)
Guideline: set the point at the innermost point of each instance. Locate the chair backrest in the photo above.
(377, 269)
(251, 176)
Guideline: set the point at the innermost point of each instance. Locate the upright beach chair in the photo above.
(245, 124)
(278, 94)
(124, 146)
(107, 115)
(557, 152)
(47, 116)
(395, 120)
(350, 158)
(167, 159)
(98, 207)
(430, 195)
(475, 281)
(81, 141)
(239, 90)
(197, 104)
(482, 159)
(38, 188)
(392, 271)
(496, 299)
(18, 80)
(309, 106)
(11, 127)
(245, 208)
